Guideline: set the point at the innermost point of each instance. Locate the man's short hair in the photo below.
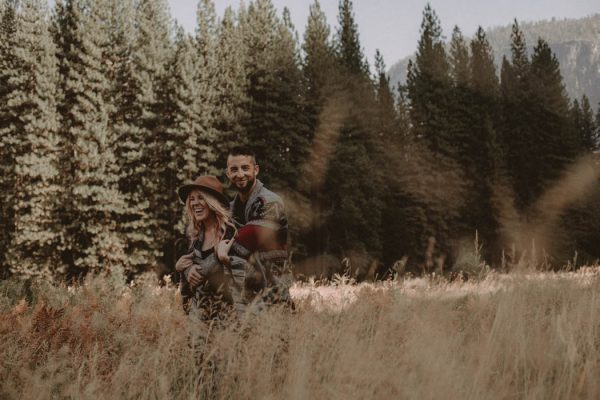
(243, 151)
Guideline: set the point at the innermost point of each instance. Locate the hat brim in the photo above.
(184, 192)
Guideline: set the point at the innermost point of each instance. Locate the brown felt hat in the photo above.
(206, 183)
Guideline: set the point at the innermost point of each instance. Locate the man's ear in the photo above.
(257, 168)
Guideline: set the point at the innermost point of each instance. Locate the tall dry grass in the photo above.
(534, 336)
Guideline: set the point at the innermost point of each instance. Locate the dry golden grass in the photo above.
(534, 336)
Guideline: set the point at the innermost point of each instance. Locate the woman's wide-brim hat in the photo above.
(207, 183)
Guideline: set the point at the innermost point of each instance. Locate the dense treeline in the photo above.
(107, 106)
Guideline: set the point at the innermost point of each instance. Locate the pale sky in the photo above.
(392, 26)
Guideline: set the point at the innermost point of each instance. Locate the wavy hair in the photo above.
(222, 214)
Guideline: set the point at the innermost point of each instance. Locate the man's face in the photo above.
(242, 171)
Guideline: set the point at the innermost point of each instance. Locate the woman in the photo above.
(208, 287)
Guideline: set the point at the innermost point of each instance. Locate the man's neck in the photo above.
(244, 196)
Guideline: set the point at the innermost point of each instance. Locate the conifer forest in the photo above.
(107, 106)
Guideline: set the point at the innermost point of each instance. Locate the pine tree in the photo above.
(508, 90)
(207, 71)
(230, 85)
(318, 58)
(206, 29)
(580, 221)
(184, 123)
(587, 128)
(63, 28)
(577, 230)
(459, 118)
(124, 116)
(482, 69)
(318, 64)
(295, 126)
(9, 139)
(537, 137)
(355, 222)
(93, 204)
(516, 129)
(429, 88)
(387, 130)
(556, 146)
(484, 149)
(347, 41)
(518, 48)
(576, 122)
(352, 188)
(403, 110)
(581, 119)
(428, 83)
(596, 140)
(36, 246)
(275, 124)
(385, 97)
(485, 92)
(459, 58)
(391, 139)
(145, 150)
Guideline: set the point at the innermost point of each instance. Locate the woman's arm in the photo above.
(184, 262)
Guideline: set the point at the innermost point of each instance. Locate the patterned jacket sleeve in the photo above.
(268, 213)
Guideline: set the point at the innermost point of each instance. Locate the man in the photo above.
(262, 231)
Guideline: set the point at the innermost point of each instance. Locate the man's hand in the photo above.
(194, 277)
(184, 262)
(223, 250)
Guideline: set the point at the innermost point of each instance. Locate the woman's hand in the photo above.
(223, 250)
(194, 277)
(184, 262)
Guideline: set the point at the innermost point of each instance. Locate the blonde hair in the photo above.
(222, 214)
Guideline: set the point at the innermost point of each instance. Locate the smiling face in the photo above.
(197, 206)
(242, 172)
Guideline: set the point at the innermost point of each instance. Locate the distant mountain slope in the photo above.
(576, 43)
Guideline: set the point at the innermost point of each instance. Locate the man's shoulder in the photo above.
(267, 196)
(267, 205)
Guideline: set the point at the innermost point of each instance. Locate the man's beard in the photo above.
(248, 187)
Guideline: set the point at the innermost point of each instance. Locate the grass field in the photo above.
(522, 335)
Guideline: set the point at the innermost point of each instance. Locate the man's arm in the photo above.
(266, 229)
(258, 234)
(267, 224)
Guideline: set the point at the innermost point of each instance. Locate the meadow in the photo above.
(523, 335)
